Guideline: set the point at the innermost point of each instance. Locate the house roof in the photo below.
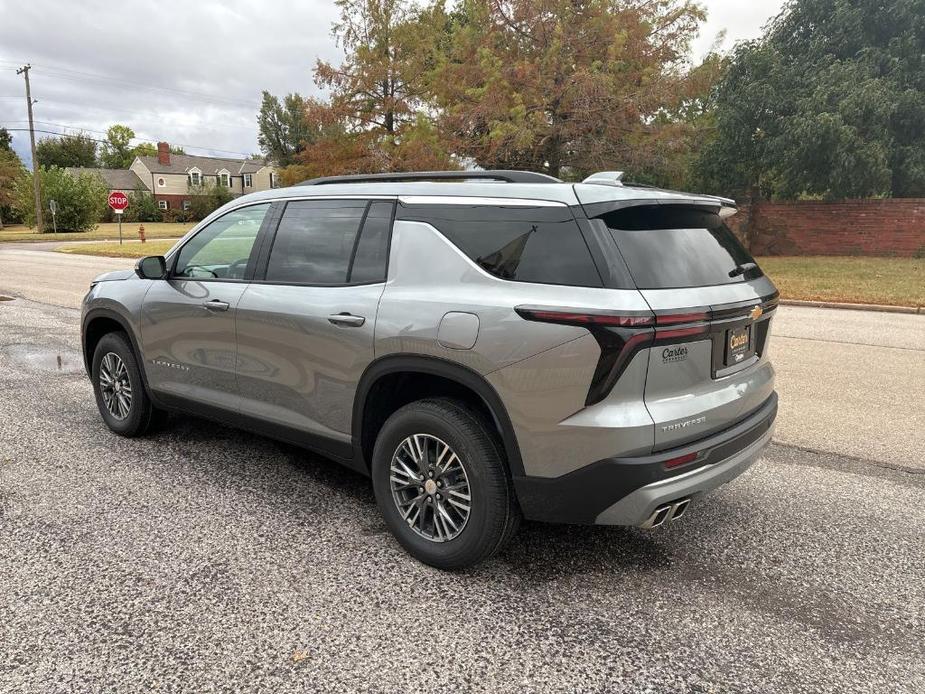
(115, 179)
(182, 163)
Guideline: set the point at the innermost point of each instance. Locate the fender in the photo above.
(117, 317)
(452, 371)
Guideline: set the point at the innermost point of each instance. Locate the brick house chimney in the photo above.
(163, 153)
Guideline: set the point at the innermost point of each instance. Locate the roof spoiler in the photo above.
(499, 175)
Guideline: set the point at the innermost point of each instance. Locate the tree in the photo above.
(67, 150)
(830, 102)
(11, 171)
(116, 152)
(283, 127)
(142, 207)
(379, 116)
(564, 87)
(6, 140)
(207, 198)
(81, 199)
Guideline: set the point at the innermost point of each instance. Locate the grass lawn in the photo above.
(103, 232)
(112, 249)
(890, 281)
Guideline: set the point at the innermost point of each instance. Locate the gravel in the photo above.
(204, 559)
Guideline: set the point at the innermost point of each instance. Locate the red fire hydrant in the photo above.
(141, 232)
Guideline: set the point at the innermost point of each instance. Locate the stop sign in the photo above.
(118, 200)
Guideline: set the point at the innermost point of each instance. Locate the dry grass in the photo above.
(114, 250)
(103, 232)
(889, 281)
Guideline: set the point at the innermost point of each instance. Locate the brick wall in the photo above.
(175, 201)
(849, 227)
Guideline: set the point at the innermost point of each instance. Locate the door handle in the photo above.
(347, 319)
(216, 305)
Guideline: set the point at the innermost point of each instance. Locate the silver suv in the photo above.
(485, 345)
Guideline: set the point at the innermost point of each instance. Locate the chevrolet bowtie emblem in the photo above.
(755, 313)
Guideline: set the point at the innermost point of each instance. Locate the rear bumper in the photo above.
(626, 491)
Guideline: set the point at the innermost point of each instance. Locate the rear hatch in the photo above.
(708, 366)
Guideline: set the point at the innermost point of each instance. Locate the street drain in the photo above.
(42, 358)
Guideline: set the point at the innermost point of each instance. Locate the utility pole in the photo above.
(36, 183)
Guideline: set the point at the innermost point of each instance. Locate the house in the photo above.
(123, 180)
(175, 178)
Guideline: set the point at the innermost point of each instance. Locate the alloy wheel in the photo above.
(115, 386)
(430, 487)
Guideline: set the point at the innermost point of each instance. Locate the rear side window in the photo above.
(522, 244)
(314, 241)
(673, 246)
(372, 254)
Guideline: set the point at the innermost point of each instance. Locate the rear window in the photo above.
(670, 246)
(522, 244)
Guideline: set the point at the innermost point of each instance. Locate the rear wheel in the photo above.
(442, 485)
(120, 392)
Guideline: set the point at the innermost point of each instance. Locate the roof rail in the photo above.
(491, 175)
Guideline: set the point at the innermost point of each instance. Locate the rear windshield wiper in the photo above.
(742, 269)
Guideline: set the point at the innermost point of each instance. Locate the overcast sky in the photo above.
(191, 72)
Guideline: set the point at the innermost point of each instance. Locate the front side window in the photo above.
(314, 242)
(674, 246)
(518, 243)
(222, 249)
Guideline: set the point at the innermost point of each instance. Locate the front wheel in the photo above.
(119, 390)
(442, 485)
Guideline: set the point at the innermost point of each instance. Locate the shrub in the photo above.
(207, 198)
(142, 207)
(81, 199)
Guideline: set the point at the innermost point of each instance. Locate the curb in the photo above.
(854, 307)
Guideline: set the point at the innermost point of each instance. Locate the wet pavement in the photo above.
(205, 559)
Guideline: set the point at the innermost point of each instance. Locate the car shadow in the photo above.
(539, 552)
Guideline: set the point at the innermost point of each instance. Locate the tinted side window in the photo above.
(314, 241)
(372, 254)
(222, 249)
(524, 244)
(671, 246)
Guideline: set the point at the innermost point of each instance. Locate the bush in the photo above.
(81, 199)
(207, 198)
(142, 207)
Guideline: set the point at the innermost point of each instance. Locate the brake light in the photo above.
(586, 318)
(677, 318)
(681, 460)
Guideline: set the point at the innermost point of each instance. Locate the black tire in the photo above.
(494, 515)
(142, 416)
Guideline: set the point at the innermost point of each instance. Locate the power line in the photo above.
(178, 144)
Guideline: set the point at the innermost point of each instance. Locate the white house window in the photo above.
(163, 204)
(224, 178)
(186, 205)
(272, 179)
(248, 181)
(161, 183)
(195, 177)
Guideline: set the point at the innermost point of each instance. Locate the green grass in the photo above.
(856, 280)
(112, 249)
(103, 232)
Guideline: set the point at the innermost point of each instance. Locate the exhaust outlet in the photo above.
(669, 512)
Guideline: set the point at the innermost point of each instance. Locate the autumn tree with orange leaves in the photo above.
(566, 87)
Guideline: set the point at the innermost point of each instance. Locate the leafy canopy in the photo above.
(67, 150)
(81, 199)
(830, 103)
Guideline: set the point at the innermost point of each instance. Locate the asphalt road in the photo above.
(204, 559)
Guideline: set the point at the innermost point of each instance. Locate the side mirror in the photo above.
(152, 267)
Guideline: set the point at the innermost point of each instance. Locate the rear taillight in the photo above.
(587, 318)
